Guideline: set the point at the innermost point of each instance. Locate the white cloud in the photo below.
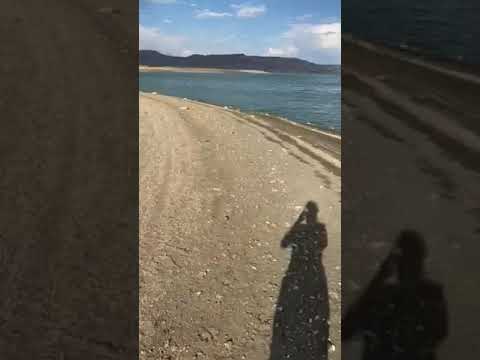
(151, 38)
(154, 39)
(207, 14)
(317, 36)
(320, 43)
(241, 11)
(288, 51)
(167, 21)
(249, 11)
(187, 52)
(163, 2)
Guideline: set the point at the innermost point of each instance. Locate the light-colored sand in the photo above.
(218, 192)
(142, 68)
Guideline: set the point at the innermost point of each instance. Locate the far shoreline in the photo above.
(176, 69)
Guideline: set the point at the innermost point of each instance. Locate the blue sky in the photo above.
(308, 29)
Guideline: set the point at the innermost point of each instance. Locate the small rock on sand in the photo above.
(331, 346)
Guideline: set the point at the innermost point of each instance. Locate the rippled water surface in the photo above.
(303, 98)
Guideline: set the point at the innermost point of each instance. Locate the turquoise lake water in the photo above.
(313, 99)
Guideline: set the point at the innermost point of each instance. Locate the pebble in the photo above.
(204, 336)
(333, 295)
(331, 347)
(213, 331)
(228, 344)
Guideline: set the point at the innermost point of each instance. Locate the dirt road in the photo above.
(218, 192)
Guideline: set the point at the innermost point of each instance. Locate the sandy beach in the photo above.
(219, 191)
(174, 69)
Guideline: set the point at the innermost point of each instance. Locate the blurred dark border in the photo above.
(69, 179)
(410, 174)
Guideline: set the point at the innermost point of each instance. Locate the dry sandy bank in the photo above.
(219, 190)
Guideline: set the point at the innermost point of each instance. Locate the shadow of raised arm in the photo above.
(292, 235)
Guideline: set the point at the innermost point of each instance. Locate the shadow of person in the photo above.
(300, 327)
(402, 314)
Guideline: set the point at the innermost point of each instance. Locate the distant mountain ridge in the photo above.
(235, 62)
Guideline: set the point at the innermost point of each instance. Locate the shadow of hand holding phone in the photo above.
(402, 315)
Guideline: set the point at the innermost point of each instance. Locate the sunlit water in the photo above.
(305, 98)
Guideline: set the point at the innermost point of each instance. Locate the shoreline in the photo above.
(334, 133)
(177, 69)
(309, 138)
